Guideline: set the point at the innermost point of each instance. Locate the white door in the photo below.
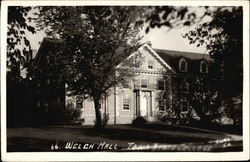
(145, 104)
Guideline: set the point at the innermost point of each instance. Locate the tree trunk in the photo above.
(98, 123)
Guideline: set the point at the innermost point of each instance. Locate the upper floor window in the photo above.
(126, 83)
(126, 104)
(150, 65)
(161, 84)
(144, 83)
(183, 65)
(203, 67)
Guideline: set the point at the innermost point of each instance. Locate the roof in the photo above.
(172, 58)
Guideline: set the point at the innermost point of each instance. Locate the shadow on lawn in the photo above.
(169, 135)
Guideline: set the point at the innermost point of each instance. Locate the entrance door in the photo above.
(145, 107)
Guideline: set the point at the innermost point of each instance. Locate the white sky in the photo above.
(161, 38)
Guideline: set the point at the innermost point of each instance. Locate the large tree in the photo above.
(18, 46)
(93, 42)
(223, 38)
(219, 29)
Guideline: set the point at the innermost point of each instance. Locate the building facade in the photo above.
(159, 89)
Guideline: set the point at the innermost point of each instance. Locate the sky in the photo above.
(160, 38)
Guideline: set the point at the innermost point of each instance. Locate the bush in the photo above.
(139, 121)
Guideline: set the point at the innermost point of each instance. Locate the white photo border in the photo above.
(128, 156)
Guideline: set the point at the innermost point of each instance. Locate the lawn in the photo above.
(150, 137)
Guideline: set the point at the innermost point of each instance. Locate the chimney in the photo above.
(149, 43)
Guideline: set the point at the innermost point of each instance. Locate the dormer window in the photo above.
(150, 65)
(126, 83)
(203, 67)
(183, 65)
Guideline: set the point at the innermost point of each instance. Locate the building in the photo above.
(160, 88)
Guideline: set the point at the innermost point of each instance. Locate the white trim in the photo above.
(129, 82)
(168, 66)
(164, 104)
(201, 63)
(186, 64)
(141, 84)
(129, 108)
(153, 65)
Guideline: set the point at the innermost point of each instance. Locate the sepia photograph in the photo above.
(127, 77)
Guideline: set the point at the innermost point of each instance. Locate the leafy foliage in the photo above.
(223, 38)
(18, 46)
(174, 16)
(93, 42)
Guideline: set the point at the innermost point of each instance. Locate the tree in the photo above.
(93, 42)
(18, 53)
(18, 46)
(224, 41)
(220, 29)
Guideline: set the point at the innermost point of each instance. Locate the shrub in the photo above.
(139, 121)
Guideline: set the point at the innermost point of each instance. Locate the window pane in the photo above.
(144, 83)
(161, 105)
(125, 104)
(203, 67)
(126, 83)
(150, 64)
(161, 85)
(79, 102)
(183, 66)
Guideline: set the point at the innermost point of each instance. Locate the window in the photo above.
(125, 104)
(161, 84)
(126, 83)
(150, 65)
(203, 67)
(183, 65)
(184, 105)
(79, 102)
(161, 103)
(48, 59)
(144, 83)
(184, 87)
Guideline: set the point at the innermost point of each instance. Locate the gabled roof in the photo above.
(193, 59)
(169, 58)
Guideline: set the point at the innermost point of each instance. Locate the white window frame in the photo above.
(182, 60)
(129, 83)
(152, 64)
(146, 82)
(129, 105)
(79, 102)
(164, 102)
(203, 63)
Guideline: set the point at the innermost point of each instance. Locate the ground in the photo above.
(149, 137)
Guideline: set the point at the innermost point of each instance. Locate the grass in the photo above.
(41, 138)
